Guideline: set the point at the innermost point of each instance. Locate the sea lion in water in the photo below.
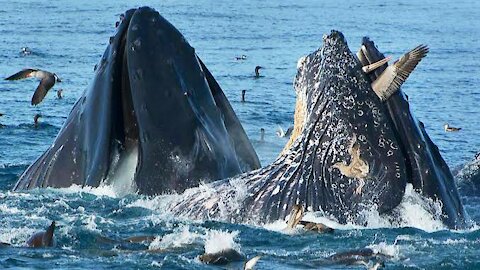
(43, 238)
(223, 257)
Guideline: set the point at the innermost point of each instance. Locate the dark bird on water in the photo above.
(47, 81)
(60, 93)
(25, 51)
(262, 134)
(257, 73)
(35, 119)
(242, 57)
(243, 95)
(448, 128)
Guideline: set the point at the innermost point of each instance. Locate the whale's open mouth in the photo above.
(153, 114)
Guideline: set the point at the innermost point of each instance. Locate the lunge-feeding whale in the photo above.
(350, 151)
(153, 114)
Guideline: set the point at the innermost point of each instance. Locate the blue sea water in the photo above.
(69, 37)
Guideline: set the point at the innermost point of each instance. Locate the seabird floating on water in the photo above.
(35, 119)
(242, 57)
(257, 73)
(47, 81)
(262, 134)
(448, 128)
(25, 51)
(243, 95)
(60, 93)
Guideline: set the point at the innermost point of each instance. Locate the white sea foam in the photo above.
(216, 241)
(103, 190)
(5, 209)
(392, 250)
(16, 236)
(414, 211)
(180, 237)
(90, 223)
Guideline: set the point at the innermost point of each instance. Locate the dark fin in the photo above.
(48, 235)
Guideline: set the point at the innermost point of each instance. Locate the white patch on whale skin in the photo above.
(301, 61)
(276, 190)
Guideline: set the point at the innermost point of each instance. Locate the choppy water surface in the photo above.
(69, 37)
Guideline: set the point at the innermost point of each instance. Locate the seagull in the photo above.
(25, 51)
(281, 133)
(448, 128)
(251, 263)
(257, 74)
(395, 75)
(242, 57)
(47, 81)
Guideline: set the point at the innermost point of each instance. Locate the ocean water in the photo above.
(69, 37)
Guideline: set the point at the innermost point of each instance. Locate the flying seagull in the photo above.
(395, 75)
(47, 81)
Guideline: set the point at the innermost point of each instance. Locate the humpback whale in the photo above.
(153, 120)
(354, 150)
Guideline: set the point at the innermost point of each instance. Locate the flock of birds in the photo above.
(48, 80)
